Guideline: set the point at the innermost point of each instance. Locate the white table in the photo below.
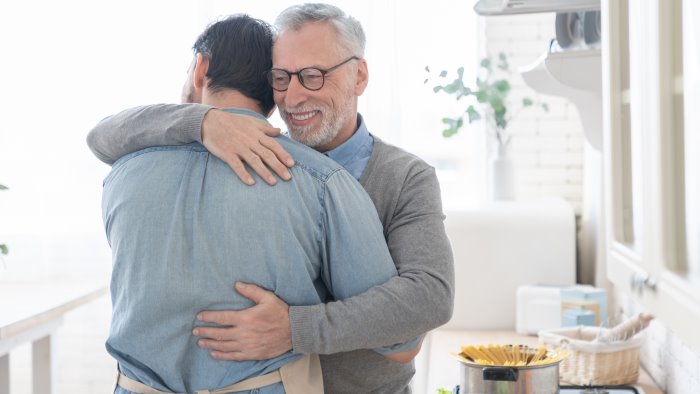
(31, 312)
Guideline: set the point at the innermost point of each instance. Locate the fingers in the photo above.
(223, 347)
(271, 160)
(278, 151)
(253, 292)
(239, 140)
(213, 336)
(224, 318)
(256, 164)
(233, 356)
(239, 169)
(271, 131)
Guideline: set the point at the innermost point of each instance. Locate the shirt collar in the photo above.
(348, 151)
(245, 111)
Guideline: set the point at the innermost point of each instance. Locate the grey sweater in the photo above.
(406, 194)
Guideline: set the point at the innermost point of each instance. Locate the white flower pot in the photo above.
(502, 175)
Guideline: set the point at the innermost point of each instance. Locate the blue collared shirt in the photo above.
(354, 153)
(183, 228)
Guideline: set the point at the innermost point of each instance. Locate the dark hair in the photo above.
(239, 50)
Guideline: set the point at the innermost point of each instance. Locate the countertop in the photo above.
(25, 305)
(444, 368)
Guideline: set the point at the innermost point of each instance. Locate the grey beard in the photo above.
(328, 130)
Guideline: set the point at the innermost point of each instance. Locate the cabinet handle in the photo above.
(639, 282)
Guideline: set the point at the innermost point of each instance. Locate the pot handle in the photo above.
(500, 373)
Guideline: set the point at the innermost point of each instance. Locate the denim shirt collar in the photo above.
(245, 111)
(356, 149)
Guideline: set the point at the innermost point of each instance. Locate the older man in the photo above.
(318, 74)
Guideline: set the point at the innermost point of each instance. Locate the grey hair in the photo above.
(349, 29)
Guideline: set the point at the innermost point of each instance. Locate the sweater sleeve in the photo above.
(418, 300)
(142, 127)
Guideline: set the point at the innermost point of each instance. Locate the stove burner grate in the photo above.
(598, 390)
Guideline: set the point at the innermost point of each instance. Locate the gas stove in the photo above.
(599, 390)
(589, 390)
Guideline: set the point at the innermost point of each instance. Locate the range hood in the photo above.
(507, 7)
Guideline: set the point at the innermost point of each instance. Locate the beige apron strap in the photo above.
(303, 376)
(246, 385)
(132, 385)
(249, 384)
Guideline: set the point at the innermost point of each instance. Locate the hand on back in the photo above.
(240, 140)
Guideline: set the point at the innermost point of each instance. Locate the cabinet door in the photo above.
(651, 150)
(691, 94)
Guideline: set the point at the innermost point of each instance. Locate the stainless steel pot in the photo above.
(486, 379)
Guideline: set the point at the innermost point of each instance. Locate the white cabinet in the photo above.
(651, 121)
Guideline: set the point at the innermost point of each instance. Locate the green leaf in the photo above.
(443, 74)
(501, 121)
(3, 187)
(449, 121)
(499, 108)
(426, 81)
(481, 96)
(460, 72)
(447, 133)
(486, 63)
(427, 69)
(545, 107)
(453, 87)
(527, 102)
(4, 249)
(437, 89)
(502, 86)
(503, 61)
(443, 391)
(453, 126)
(472, 114)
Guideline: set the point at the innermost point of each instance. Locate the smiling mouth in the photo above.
(302, 116)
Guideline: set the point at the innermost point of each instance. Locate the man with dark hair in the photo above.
(182, 229)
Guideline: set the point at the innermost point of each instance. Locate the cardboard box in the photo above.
(586, 298)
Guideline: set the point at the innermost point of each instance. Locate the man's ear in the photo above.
(362, 77)
(200, 72)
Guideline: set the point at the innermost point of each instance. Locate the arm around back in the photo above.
(235, 138)
(141, 127)
(406, 194)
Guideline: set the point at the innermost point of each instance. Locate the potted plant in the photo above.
(489, 102)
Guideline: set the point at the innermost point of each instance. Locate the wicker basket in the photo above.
(592, 362)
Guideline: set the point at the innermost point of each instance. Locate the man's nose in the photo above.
(296, 93)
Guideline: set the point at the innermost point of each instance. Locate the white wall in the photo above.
(547, 147)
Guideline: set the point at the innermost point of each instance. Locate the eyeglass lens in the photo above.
(311, 78)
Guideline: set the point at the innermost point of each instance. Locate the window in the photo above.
(78, 61)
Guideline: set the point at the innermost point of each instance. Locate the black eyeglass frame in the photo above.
(301, 78)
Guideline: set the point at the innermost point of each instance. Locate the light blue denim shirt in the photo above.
(354, 153)
(183, 229)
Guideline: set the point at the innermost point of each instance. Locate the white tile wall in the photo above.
(547, 147)
(673, 365)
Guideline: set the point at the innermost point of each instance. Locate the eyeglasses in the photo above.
(311, 78)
